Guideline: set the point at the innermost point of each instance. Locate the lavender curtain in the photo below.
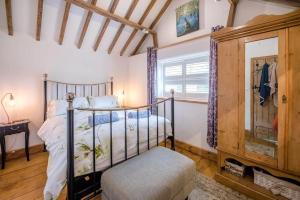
(152, 76)
(212, 136)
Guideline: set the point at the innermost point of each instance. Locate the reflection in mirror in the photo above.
(261, 98)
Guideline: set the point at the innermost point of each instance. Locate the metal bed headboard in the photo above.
(55, 90)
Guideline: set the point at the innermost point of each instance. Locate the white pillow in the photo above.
(80, 102)
(103, 102)
(56, 107)
(59, 107)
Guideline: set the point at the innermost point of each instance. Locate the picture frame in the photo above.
(187, 18)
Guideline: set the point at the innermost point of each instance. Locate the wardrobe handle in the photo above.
(284, 99)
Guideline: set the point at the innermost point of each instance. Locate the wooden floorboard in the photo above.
(36, 194)
(23, 187)
(24, 174)
(21, 163)
(22, 180)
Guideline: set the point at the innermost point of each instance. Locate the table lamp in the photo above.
(11, 103)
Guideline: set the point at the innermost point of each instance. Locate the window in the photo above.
(188, 76)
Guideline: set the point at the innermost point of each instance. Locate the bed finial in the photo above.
(70, 97)
(45, 76)
(111, 79)
(172, 92)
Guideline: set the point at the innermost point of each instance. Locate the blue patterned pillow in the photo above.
(142, 114)
(103, 118)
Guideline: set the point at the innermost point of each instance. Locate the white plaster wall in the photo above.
(190, 119)
(23, 61)
(137, 85)
(248, 9)
(213, 13)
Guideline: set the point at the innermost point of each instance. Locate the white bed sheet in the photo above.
(53, 133)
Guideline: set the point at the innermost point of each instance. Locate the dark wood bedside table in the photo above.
(10, 129)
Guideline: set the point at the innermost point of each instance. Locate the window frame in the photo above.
(183, 61)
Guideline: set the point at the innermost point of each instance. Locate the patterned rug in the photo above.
(209, 189)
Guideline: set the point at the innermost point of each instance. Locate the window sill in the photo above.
(187, 100)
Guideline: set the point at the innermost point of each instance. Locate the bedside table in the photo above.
(10, 129)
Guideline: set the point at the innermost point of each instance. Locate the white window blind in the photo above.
(175, 70)
(188, 77)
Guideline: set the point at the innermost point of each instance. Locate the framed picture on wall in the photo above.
(187, 18)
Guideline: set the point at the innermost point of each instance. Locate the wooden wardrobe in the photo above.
(239, 62)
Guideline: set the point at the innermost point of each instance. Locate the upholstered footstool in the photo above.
(158, 174)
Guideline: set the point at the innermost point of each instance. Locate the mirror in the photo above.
(261, 97)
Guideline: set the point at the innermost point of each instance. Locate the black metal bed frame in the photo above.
(88, 186)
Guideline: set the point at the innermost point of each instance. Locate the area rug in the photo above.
(208, 189)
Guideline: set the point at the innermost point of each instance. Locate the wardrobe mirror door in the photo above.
(261, 98)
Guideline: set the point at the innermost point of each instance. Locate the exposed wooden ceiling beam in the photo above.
(105, 25)
(108, 14)
(233, 1)
(232, 11)
(64, 22)
(9, 17)
(39, 19)
(133, 33)
(86, 25)
(155, 40)
(161, 12)
(122, 26)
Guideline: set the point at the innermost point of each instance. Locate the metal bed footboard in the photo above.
(88, 186)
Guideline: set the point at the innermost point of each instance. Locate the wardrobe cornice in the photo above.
(258, 25)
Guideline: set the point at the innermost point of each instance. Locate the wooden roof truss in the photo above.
(91, 9)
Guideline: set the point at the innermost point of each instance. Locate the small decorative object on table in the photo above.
(276, 185)
(10, 129)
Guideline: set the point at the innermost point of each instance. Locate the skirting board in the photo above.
(196, 150)
(21, 152)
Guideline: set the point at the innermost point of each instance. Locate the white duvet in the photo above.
(53, 133)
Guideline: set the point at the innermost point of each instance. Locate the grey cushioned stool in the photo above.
(158, 174)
